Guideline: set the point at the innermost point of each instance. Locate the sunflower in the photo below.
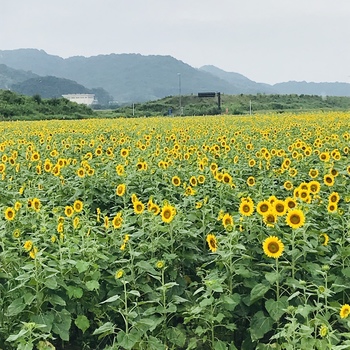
(33, 252)
(28, 245)
(280, 207)
(251, 181)
(290, 202)
(332, 207)
(324, 239)
(323, 331)
(212, 242)
(81, 172)
(193, 181)
(226, 178)
(36, 204)
(328, 179)
(344, 311)
(263, 207)
(334, 197)
(119, 274)
(69, 211)
(246, 208)
(78, 206)
(10, 214)
(201, 179)
(313, 173)
(288, 185)
(293, 172)
(314, 187)
(160, 264)
(270, 218)
(139, 207)
(295, 218)
(60, 227)
(124, 152)
(227, 220)
(120, 191)
(176, 181)
(117, 221)
(273, 247)
(154, 208)
(76, 222)
(324, 156)
(168, 213)
(106, 222)
(190, 191)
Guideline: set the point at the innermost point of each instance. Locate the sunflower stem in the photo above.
(277, 282)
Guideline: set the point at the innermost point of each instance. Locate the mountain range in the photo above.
(134, 78)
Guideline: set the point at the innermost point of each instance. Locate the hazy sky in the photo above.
(266, 40)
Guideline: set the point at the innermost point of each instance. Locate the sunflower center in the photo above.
(270, 218)
(246, 208)
(264, 208)
(273, 247)
(295, 219)
(280, 208)
(167, 214)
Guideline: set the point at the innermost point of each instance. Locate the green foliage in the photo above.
(234, 104)
(19, 107)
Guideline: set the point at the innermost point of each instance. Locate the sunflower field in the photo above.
(217, 233)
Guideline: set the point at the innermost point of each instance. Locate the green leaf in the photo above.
(111, 299)
(127, 341)
(51, 283)
(62, 323)
(258, 292)
(231, 301)
(82, 323)
(82, 266)
(260, 325)
(276, 308)
(176, 336)
(106, 328)
(46, 319)
(74, 292)
(14, 337)
(220, 345)
(56, 300)
(16, 307)
(92, 285)
(272, 277)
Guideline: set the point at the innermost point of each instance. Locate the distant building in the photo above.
(86, 99)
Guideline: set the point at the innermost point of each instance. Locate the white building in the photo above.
(86, 99)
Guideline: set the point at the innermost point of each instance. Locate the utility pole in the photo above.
(180, 105)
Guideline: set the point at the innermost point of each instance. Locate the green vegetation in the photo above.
(15, 106)
(235, 104)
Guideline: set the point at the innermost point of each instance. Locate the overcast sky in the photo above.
(268, 41)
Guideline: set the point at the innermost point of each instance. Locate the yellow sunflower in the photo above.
(176, 181)
(270, 218)
(227, 220)
(328, 180)
(273, 247)
(212, 242)
(334, 197)
(168, 213)
(263, 207)
(120, 191)
(295, 218)
(324, 239)
(78, 206)
(280, 207)
(344, 311)
(28, 245)
(69, 211)
(139, 207)
(10, 214)
(117, 221)
(246, 208)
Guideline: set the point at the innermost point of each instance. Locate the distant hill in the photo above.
(50, 87)
(9, 76)
(137, 78)
(321, 89)
(245, 85)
